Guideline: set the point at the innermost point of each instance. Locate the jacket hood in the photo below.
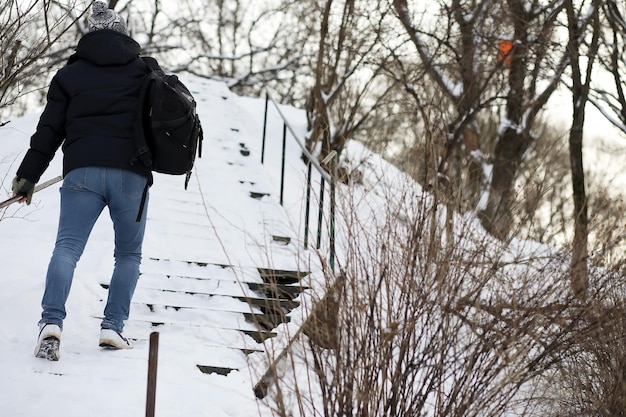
(106, 47)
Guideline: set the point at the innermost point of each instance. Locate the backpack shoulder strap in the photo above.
(143, 153)
(151, 63)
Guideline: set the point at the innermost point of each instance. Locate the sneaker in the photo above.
(48, 342)
(111, 339)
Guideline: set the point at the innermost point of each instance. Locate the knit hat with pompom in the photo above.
(104, 18)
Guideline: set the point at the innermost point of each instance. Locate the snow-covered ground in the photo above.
(214, 228)
(212, 238)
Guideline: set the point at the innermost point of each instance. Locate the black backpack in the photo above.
(168, 132)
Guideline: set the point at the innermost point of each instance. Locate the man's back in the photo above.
(92, 105)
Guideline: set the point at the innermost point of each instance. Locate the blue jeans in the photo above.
(84, 194)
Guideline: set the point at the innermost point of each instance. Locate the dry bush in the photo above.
(590, 379)
(428, 315)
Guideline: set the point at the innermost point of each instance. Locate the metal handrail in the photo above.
(305, 151)
(311, 162)
(260, 388)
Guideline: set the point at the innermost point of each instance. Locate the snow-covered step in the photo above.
(226, 328)
(195, 268)
(159, 314)
(101, 363)
(196, 301)
(202, 286)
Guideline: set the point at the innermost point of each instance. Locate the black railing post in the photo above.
(282, 165)
(261, 388)
(324, 175)
(332, 223)
(320, 213)
(267, 99)
(307, 211)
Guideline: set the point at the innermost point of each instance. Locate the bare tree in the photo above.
(461, 57)
(534, 73)
(33, 37)
(611, 99)
(249, 45)
(451, 58)
(350, 82)
(579, 19)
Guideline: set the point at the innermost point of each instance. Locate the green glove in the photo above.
(24, 188)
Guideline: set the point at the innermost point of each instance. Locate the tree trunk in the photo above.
(579, 272)
(497, 217)
(512, 142)
(316, 107)
(580, 95)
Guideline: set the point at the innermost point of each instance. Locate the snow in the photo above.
(213, 224)
(213, 237)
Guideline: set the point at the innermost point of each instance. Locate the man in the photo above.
(90, 112)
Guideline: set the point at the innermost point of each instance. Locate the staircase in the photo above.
(224, 280)
(227, 311)
(220, 276)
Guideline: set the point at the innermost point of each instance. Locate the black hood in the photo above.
(106, 47)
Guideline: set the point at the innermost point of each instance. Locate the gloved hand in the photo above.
(23, 187)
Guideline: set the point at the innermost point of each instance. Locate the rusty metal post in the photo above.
(152, 373)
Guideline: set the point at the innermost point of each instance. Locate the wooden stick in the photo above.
(39, 187)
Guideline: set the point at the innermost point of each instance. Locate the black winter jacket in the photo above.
(91, 108)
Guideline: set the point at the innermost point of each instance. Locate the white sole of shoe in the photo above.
(48, 349)
(110, 339)
(48, 343)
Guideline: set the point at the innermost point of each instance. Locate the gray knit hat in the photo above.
(104, 18)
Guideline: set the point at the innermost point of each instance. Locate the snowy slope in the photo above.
(202, 252)
(212, 237)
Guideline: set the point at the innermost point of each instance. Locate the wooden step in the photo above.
(267, 321)
(219, 370)
(258, 195)
(260, 336)
(270, 304)
(282, 239)
(275, 290)
(281, 276)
